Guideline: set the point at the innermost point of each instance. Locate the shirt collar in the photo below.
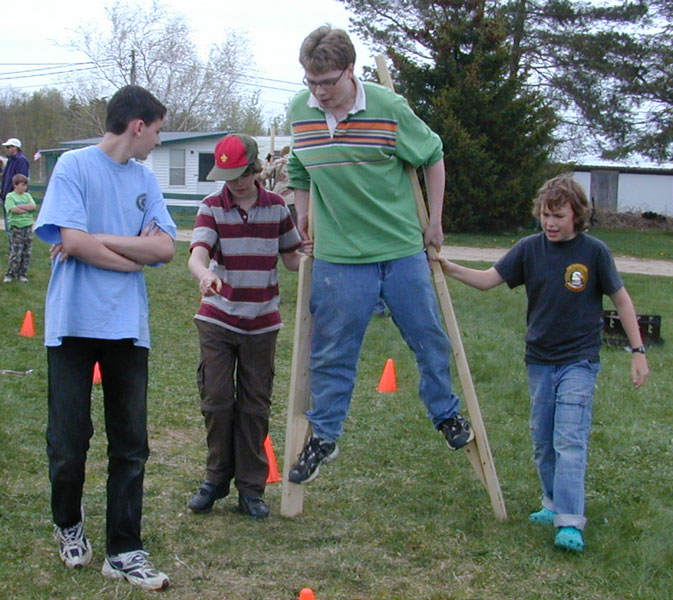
(359, 104)
(263, 197)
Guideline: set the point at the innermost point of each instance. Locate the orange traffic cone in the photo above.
(388, 381)
(274, 475)
(27, 327)
(97, 377)
(306, 594)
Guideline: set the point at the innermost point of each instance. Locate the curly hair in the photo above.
(560, 190)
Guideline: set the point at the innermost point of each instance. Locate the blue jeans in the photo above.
(69, 429)
(560, 421)
(342, 299)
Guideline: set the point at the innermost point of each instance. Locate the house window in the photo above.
(176, 167)
(206, 163)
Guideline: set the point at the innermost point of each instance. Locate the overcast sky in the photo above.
(35, 31)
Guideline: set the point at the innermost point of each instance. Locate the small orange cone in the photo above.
(274, 475)
(27, 327)
(97, 377)
(306, 594)
(388, 381)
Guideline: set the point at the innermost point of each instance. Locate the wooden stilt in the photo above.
(296, 433)
(478, 451)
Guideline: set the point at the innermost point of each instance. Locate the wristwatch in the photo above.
(639, 349)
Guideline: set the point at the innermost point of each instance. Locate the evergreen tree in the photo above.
(452, 62)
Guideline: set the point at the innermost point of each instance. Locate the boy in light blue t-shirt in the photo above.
(106, 216)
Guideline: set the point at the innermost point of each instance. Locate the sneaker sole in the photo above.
(80, 564)
(111, 573)
(328, 459)
(469, 439)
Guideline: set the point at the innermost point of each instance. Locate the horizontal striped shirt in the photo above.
(243, 247)
(365, 210)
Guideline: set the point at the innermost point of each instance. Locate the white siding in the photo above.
(584, 179)
(638, 192)
(158, 161)
(642, 192)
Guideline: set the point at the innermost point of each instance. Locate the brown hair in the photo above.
(561, 190)
(19, 178)
(326, 49)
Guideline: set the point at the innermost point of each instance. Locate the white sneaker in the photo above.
(135, 567)
(7, 279)
(23, 279)
(73, 546)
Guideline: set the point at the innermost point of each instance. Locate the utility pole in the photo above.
(133, 67)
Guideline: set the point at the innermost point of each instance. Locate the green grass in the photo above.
(396, 517)
(651, 244)
(642, 244)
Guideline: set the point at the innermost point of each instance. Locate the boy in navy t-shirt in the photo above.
(566, 272)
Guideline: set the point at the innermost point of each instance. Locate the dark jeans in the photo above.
(235, 379)
(69, 429)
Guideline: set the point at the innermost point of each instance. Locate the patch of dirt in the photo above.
(632, 220)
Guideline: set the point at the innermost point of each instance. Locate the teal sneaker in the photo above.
(544, 516)
(569, 538)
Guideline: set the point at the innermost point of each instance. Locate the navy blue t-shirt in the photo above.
(565, 283)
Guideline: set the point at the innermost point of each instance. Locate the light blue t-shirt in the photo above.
(91, 192)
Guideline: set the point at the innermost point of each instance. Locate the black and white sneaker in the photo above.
(457, 432)
(136, 568)
(316, 452)
(73, 546)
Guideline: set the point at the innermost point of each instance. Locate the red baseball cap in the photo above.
(233, 155)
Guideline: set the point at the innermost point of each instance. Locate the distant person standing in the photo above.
(16, 163)
(21, 209)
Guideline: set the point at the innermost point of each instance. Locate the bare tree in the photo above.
(153, 48)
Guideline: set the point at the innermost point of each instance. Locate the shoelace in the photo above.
(72, 534)
(312, 448)
(139, 561)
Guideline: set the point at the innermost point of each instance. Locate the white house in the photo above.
(624, 188)
(181, 163)
(184, 159)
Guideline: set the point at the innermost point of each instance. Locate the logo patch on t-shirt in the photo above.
(141, 201)
(576, 277)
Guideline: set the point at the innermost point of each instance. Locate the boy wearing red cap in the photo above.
(238, 235)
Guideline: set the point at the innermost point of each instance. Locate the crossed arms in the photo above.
(116, 252)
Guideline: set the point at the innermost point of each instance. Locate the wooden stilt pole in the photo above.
(478, 451)
(292, 495)
(299, 400)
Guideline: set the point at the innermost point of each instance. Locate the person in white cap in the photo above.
(17, 163)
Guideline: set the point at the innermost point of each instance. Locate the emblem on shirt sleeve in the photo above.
(576, 277)
(141, 201)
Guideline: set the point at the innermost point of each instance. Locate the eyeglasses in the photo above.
(323, 83)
